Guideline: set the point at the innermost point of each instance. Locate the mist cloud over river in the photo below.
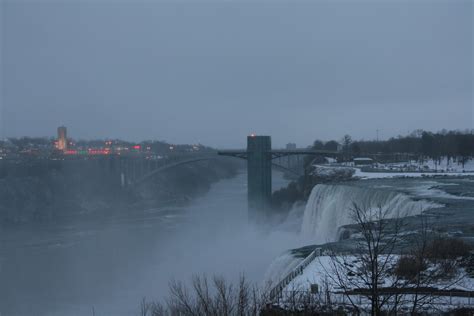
(109, 265)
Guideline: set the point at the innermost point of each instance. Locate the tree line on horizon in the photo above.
(457, 145)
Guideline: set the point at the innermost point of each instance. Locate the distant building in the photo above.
(291, 146)
(363, 161)
(62, 138)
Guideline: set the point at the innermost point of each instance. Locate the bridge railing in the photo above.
(277, 290)
(402, 298)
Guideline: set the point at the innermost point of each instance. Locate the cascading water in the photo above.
(329, 206)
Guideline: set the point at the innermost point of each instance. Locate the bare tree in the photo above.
(426, 264)
(377, 270)
(417, 276)
(346, 142)
(209, 297)
(368, 269)
(346, 146)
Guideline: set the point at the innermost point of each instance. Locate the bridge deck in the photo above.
(276, 153)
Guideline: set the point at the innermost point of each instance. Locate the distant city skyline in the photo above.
(215, 72)
(290, 145)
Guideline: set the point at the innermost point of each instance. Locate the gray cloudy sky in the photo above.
(215, 71)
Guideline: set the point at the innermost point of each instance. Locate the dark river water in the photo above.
(110, 265)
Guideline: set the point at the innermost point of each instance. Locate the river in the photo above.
(107, 266)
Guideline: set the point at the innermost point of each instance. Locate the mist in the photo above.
(109, 265)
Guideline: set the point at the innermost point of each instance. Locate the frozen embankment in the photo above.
(329, 208)
(443, 294)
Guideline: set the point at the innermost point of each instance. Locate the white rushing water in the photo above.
(329, 208)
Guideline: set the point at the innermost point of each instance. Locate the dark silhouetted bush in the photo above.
(409, 267)
(447, 248)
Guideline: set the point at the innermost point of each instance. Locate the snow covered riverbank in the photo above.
(446, 201)
(410, 169)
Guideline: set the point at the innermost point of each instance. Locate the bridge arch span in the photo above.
(151, 174)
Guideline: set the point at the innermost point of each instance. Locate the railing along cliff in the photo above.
(277, 290)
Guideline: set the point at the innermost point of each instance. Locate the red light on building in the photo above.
(137, 147)
(99, 152)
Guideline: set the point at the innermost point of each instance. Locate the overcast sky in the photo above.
(215, 71)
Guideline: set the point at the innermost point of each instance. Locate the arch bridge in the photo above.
(139, 172)
(260, 160)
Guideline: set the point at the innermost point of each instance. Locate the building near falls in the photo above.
(363, 161)
(62, 138)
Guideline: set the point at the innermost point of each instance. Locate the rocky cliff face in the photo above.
(43, 194)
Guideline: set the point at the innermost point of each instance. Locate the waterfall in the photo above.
(329, 206)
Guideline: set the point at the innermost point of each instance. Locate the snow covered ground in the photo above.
(430, 165)
(316, 273)
(410, 169)
(406, 193)
(378, 175)
(318, 270)
(452, 166)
